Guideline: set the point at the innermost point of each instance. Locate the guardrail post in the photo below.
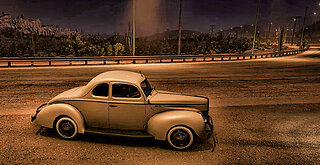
(250, 57)
(221, 58)
(255, 57)
(261, 56)
(32, 63)
(212, 58)
(49, 63)
(85, 62)
(237, 57)
(147, 60)
(171, 59)
(244, 57)
(104, 62)
(133, 61)
(9, 63)
(184, 60)
(229, 58)
(70, 62)
(160, 60)
(204, 59)
(193, 59)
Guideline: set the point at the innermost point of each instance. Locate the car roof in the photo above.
(121, 76)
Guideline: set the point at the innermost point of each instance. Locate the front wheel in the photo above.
(66, 128)
(180, 137)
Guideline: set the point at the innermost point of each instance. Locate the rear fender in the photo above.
(46, 117)
(161, 123)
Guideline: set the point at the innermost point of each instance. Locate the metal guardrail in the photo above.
(68, 61)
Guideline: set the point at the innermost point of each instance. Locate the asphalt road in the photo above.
(265, 112)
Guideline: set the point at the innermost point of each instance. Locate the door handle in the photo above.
(112, 105)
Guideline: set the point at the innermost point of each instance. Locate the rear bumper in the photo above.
(34, 117)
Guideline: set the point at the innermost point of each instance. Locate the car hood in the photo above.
(164, 97)
(69, 94)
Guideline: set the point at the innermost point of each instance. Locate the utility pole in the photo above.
(285, 34)
(269, 30)
(255, 27)
(281, 39)
(180, 28)
(303, 25)
(294, 29)
(133, 27)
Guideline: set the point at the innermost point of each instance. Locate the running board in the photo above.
(126, 133)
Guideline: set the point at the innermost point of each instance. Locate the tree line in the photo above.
(17, 45)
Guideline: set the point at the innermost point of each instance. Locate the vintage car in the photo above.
(123, 103)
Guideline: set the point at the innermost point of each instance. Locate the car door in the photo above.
(94, 107)
(127, 107)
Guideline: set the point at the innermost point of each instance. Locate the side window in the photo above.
(124, 90)
(101, 90)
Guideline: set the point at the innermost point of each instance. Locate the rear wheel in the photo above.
(66, 128)
(180, 137)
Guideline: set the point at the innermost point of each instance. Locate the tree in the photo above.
(118, 49)
(75, 45)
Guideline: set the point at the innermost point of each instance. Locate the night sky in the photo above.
(109, 16)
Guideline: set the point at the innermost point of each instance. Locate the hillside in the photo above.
(27, 26)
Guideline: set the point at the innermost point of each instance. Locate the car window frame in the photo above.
(141, 98)
(100, 97)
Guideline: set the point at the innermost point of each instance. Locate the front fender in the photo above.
(48, 114)
(160, 124)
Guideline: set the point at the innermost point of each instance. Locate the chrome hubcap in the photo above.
(180, 138)
(66, 128)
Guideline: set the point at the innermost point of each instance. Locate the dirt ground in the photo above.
(265, 112)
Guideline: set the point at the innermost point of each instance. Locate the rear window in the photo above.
(101, 90)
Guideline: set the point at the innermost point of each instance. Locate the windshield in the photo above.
(146, 87)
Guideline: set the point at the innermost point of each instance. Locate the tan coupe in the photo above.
(123, 103)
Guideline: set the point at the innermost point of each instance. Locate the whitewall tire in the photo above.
(180, 137)
(66, 128)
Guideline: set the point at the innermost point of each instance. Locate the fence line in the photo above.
(68, 61)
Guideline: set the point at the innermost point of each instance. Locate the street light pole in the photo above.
(133, 27)
(269, 30)
(303, 26)
(294, 29)
(180, 28)
(255, 27)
